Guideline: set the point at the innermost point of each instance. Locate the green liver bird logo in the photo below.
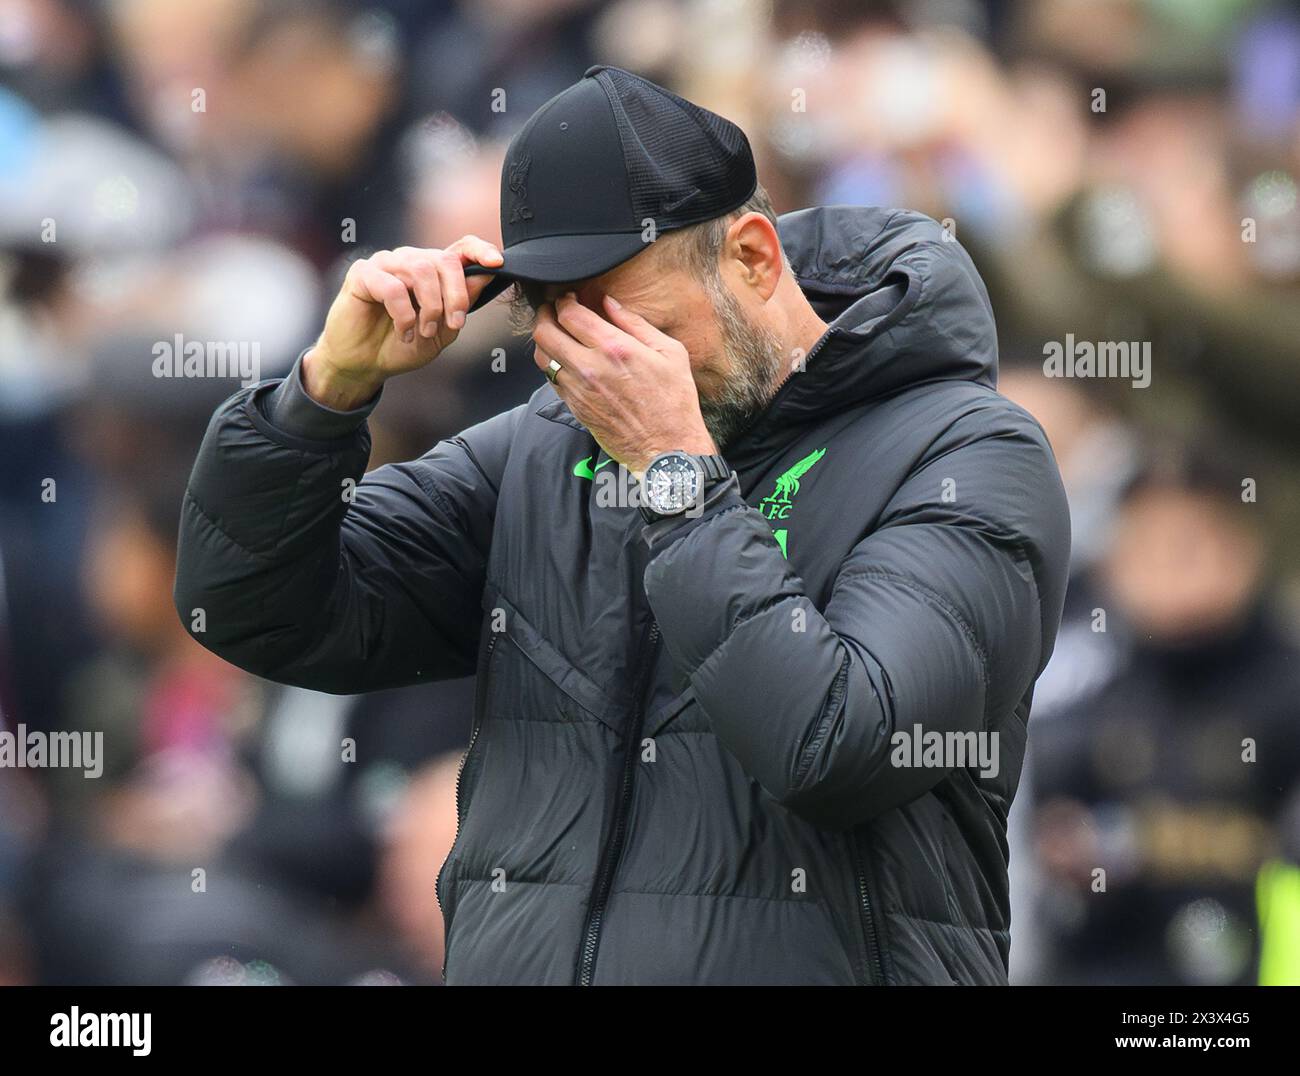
(781, 501)
(787, 484)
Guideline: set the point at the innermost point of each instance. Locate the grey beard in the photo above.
(755, 356)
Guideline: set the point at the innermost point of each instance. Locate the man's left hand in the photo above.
(626, 381)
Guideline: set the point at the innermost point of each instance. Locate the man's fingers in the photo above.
(475, 286)
(586, 326)
(417, 270)
(374, 285)
(471, 250)
(475, 251)
(437, 279)
(568, 375)
(455, 295)
(552, 342)
(541, 357)
(637, 326)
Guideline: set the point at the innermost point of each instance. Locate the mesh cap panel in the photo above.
(686, 164)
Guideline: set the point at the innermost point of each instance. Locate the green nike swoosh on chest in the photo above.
(583, 468)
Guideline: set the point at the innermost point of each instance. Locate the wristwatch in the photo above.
(675, 482)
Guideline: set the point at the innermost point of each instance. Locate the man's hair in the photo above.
(696, 248)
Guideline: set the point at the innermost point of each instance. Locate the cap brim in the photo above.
(557, 259)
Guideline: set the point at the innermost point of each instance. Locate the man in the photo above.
(686, 763)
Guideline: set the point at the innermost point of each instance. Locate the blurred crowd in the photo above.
(204, 172)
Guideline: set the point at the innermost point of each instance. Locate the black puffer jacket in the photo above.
(681, 764)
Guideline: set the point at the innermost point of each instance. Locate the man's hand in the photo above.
(626, 381)
(396, 311)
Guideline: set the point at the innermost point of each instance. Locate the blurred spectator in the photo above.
(1159, 786)
(419, 838)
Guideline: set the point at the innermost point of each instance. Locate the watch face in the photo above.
(672, 483)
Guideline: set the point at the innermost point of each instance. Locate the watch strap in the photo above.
(716, 469)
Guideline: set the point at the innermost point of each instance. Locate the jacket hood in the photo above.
(905, 306)
(941, 328)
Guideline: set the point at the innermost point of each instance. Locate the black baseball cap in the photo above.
(605, 164)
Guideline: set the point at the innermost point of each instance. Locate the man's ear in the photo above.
(752, 252)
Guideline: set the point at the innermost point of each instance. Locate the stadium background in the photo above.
(1120, 170)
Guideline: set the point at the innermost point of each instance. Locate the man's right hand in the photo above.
(396, 312)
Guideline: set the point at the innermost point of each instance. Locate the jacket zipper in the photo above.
(781, 387)
(875, 964)
(614, 849)
(460, 773)
(831, 331)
